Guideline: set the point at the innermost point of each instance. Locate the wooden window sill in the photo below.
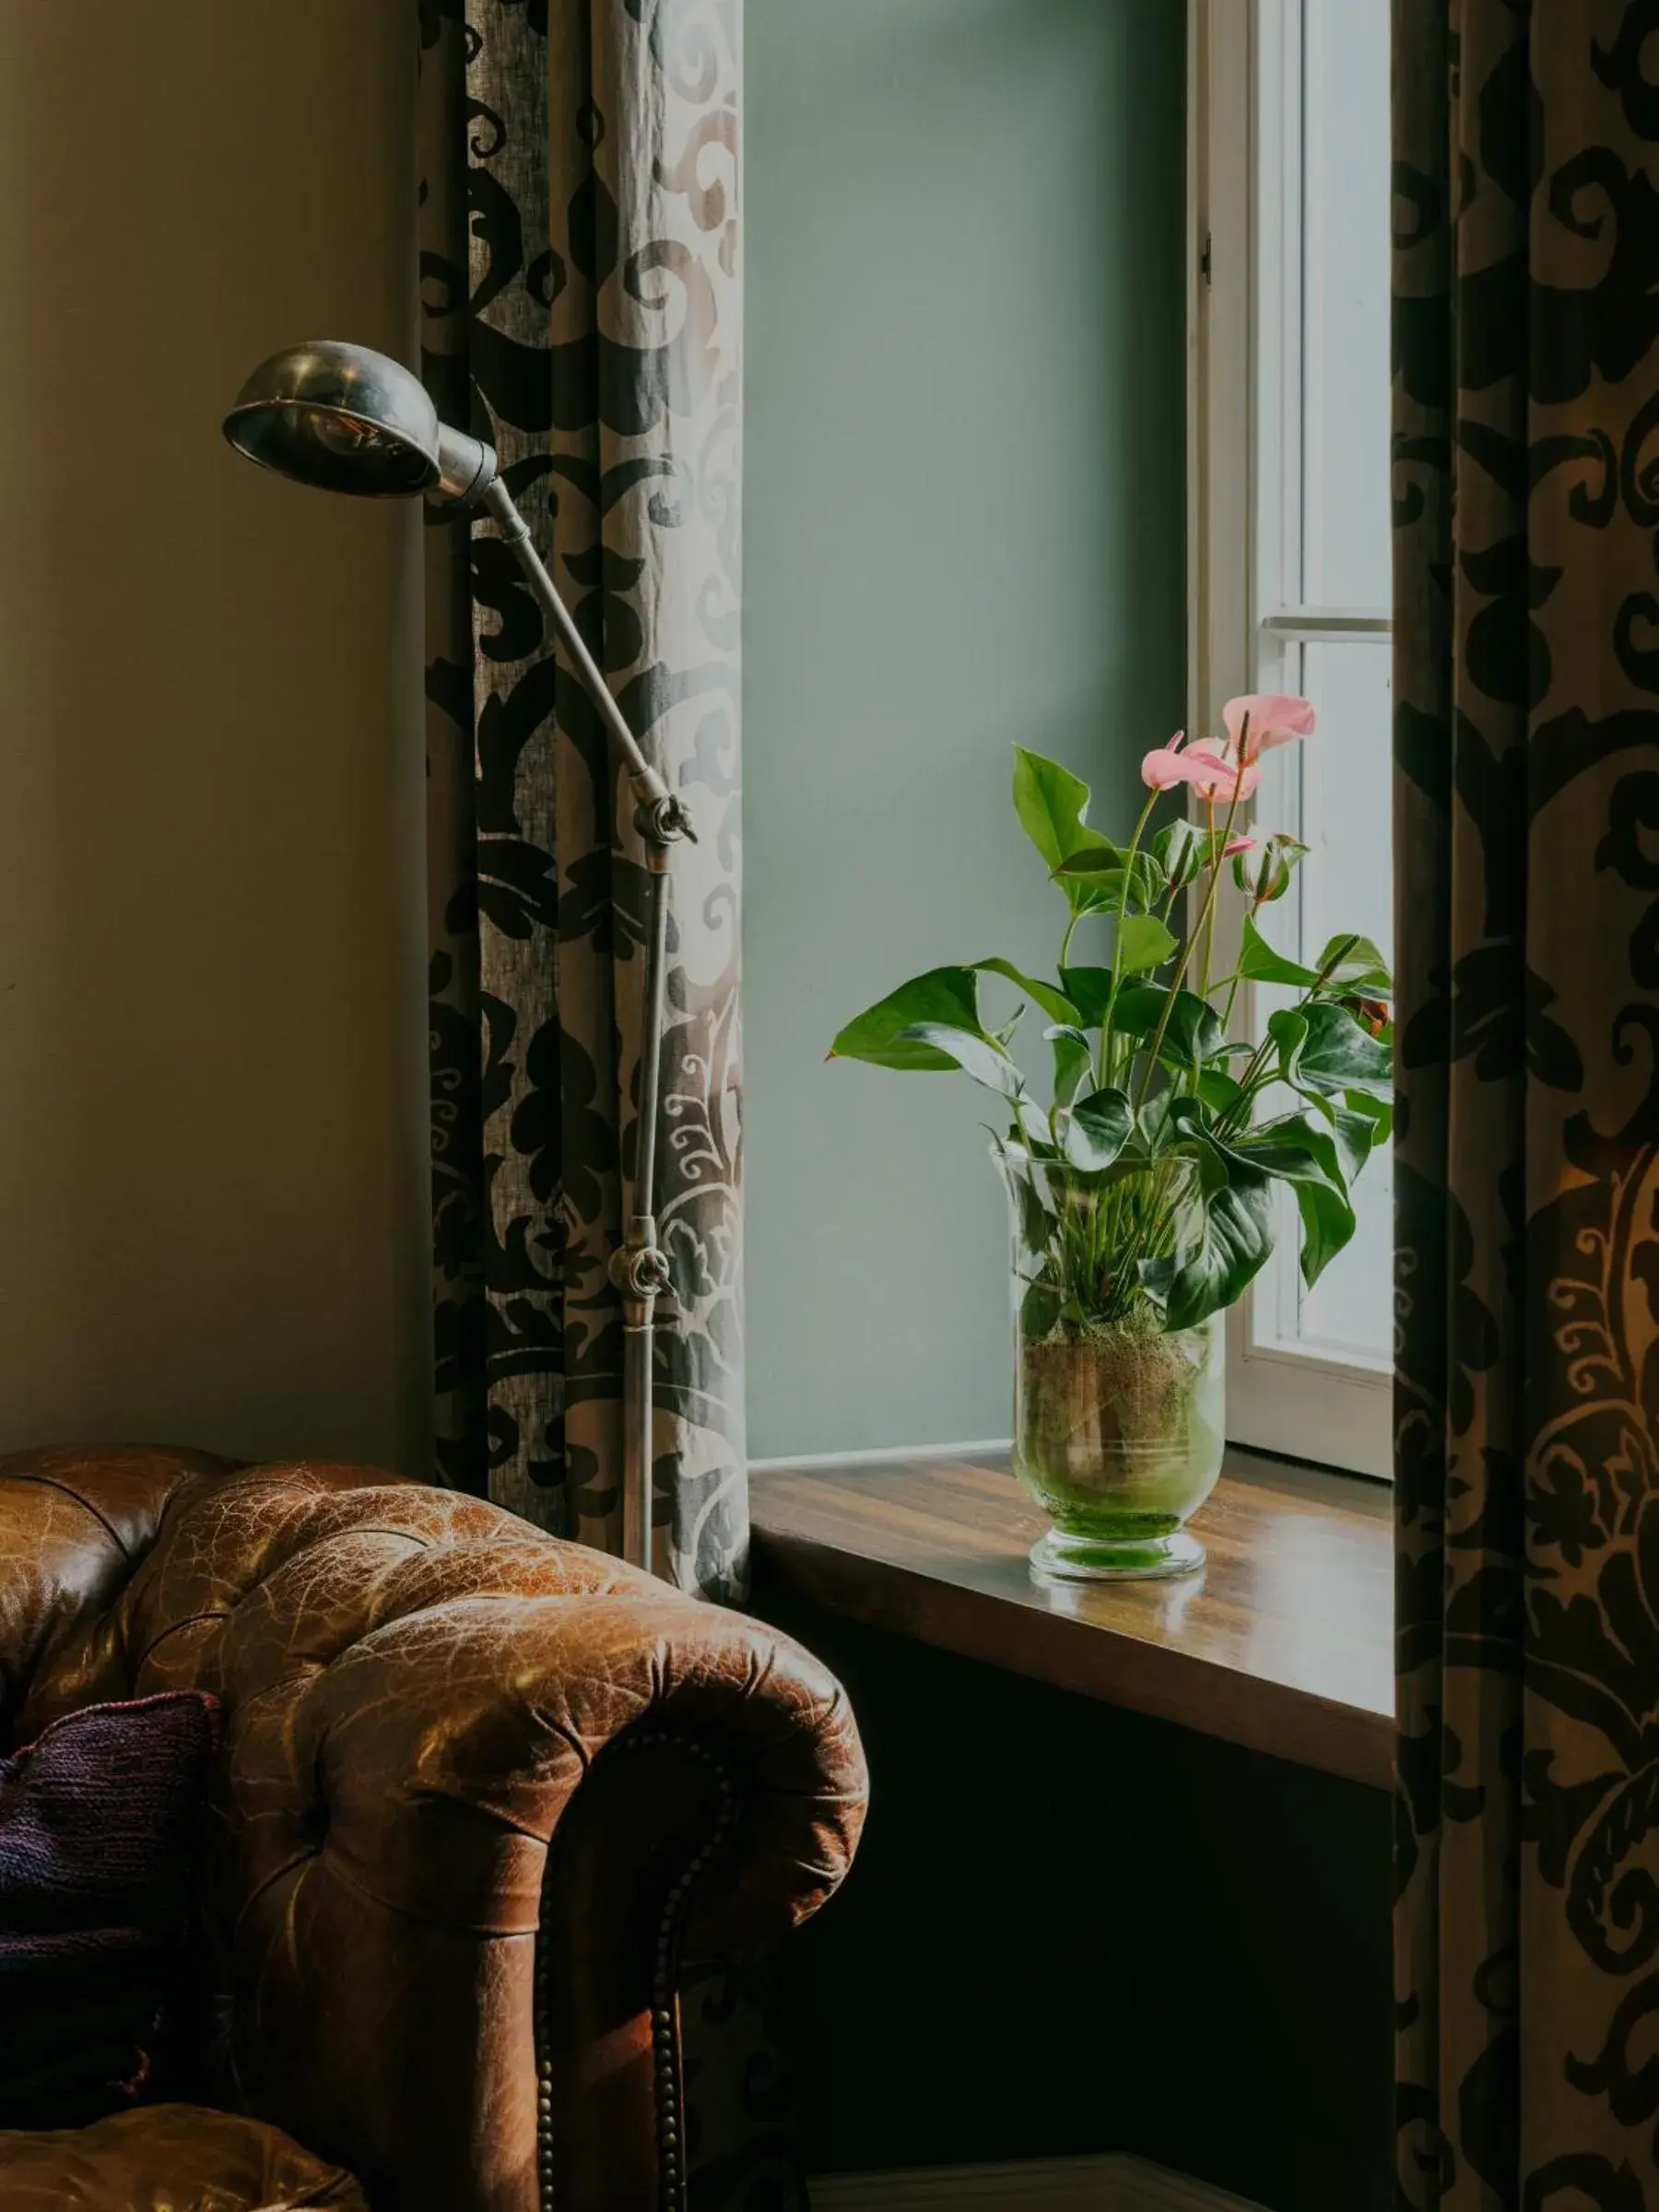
(1284, 1642)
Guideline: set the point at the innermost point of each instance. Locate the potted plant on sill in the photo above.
(1140, 1195)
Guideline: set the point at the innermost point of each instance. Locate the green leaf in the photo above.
(1050, 802)
(1353, 963)
(1261, 964)
(1108, 872)
(1088, 990)
(1184, 851)
(1264, 874)
(1054, 1004)
(1151, 1127)
(1295, 1145)
(1157, 1274)
(1039, 1311)
(1237, 1212)
(1031, 1129)
(1327, 1055)
(1194, 1032)
(1301, 1151)
(974, 1054)
(1235, 1238)
(1349, 1138)
(1036, 1223)
(1099, 1129)
(1341, 1053)
(1143, 943)
(877, 1035)
(1073, 1060)
(1290, 1148)
(1288, 1027)
(1348, 963)
(1378, 1111)
(1327, 1220)
(1217, 1088)
(1356, 1136)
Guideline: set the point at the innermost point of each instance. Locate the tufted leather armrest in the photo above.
(483, 1792)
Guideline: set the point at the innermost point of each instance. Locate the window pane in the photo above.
(1347, 772)
(1310, 1368)
(1334, 793)
(1349, 1312)
(1345, 304)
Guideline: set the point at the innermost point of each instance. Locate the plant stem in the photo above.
(1209, 827)
(1187, 954)
(1236, 1116)
(1237, 977)
(1209, 942)
(1108, 1068)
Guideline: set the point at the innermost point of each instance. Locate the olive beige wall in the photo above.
(963, 523)
(212, 1035)
(963, 527)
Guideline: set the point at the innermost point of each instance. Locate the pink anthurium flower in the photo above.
(1214, 773)
(1163, 765)
(1238, 845)
(1206, 764)
(1260, 720)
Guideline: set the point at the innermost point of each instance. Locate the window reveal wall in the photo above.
(963, 520)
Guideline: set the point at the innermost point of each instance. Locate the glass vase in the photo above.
(1118, 1421)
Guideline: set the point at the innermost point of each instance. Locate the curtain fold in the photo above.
(580, 296)
(582, 305)
(1526, 739)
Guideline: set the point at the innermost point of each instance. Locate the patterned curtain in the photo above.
(582, 306)
(1526, 731)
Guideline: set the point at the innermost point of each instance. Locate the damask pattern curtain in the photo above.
(1526, 727)
(580, 303)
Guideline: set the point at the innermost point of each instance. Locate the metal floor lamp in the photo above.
(346, 419)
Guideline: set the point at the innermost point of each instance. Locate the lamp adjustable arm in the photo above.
(659, 817)
(640, 1269)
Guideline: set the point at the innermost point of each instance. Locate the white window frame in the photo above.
(1243, 448)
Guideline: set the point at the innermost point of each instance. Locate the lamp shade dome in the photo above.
(341, 417)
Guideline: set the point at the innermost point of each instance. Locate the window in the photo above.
(1289, 533)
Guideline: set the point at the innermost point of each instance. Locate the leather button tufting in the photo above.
(444, 1921)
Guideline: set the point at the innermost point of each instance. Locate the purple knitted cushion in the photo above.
(99, 1821)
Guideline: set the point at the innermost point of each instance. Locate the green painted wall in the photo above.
(963, 527)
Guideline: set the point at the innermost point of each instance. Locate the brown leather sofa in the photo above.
(483, 1794)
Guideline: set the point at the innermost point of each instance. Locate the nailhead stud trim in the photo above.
(664, 2039)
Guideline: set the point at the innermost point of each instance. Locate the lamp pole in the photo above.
(342, 418)
(639, 1268)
